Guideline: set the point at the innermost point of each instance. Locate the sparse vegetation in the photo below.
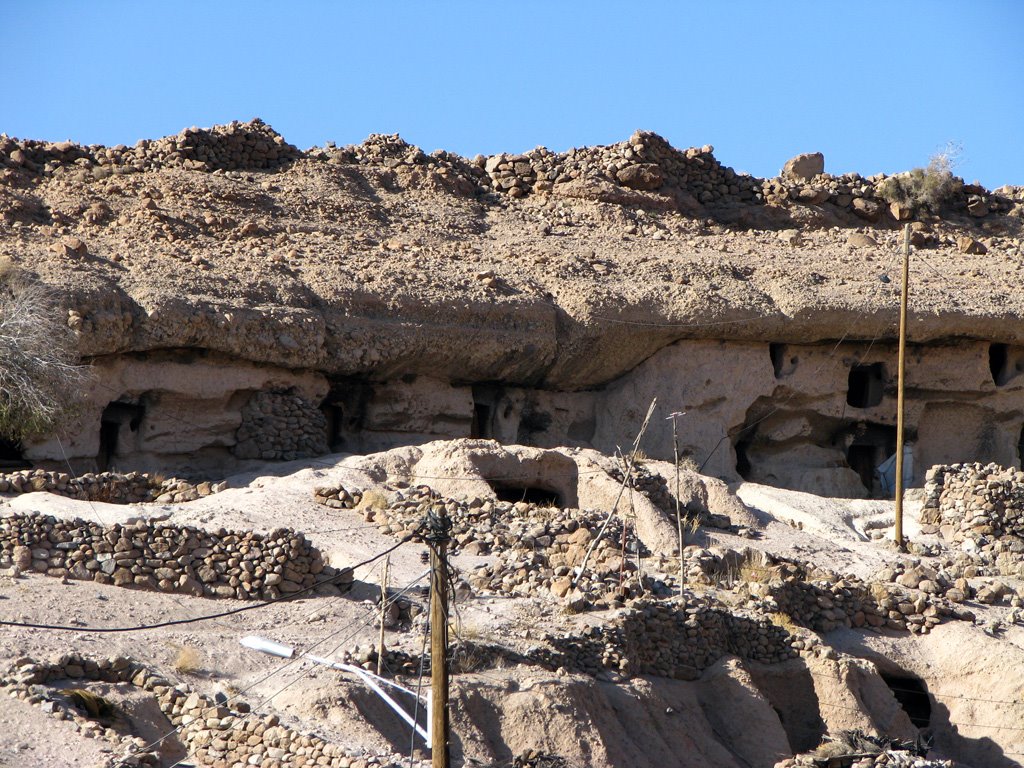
(931, 187)
(187, 661)
(372, 500)
(90, 703)
(40, 378)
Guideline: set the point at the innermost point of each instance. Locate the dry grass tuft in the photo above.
(188, 661)
(372, 500)
(784, 620)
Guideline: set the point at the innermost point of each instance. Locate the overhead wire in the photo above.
(281, 668)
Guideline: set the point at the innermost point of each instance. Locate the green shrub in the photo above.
(931, 187)
(41, 381)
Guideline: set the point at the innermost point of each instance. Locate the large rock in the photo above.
(643, 176)
(805, 167)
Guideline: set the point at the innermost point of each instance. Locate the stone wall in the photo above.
(976, 502)
(280, 426)
(669, 639)
(212, 732)
(168, 558)
(107, 487)
(236, 146)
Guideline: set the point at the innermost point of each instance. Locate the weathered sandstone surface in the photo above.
(240, 299)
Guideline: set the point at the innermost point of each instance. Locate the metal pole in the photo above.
(439, 649)
(383, 611)
(900, 387)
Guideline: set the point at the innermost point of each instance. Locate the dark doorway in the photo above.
(872, 444)
(481, 426)
(865, 386)
(116, 416)
(11, 456)
(912, 694)
(530, 494)
(743, 466)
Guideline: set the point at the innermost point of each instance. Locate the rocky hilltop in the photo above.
(545, 274)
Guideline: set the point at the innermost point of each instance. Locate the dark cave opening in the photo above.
(743, 466)
(11, 455)
(912, 694)
(872, 444)
(865, 385)
(115, 416)
(531, 494)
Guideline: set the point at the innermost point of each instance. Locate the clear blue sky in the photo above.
(875, 85)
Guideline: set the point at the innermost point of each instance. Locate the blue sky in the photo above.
(876, 86)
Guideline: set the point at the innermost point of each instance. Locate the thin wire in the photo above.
(419, 688)
(206, 617)
(278, 670)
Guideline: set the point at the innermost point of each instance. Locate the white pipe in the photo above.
(267, 646)
(368, 678)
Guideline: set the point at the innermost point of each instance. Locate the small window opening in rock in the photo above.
(530, 494)
(11, 456)
(998, 357)
(114, 416)
(865, 385)
(778, 355)
(912, 694)
(1020, 447)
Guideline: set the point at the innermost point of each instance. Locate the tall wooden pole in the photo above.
(383, 613)
(439, 650)
(900, 388)
(679, 512)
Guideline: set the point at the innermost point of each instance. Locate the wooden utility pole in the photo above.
(383, 614)
(900, 387)
(679, 512)
(439, 645)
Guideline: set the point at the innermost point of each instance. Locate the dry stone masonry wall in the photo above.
(236, 146)
(108, 487)
(280, 426)
(669, 639)
(213, 733)
(168, 558)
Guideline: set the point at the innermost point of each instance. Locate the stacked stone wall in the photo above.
(280, 426)
(163, 557)
(107, 487)
(669, 639)
(213, 733)
(236, 146)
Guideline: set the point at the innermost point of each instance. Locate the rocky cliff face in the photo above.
(392, 296)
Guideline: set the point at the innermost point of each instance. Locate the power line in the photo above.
(282, 668)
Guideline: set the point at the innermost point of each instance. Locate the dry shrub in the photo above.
(930, 187)
(188, 661)
(785, 621)
(373, 500)
(41, 381)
